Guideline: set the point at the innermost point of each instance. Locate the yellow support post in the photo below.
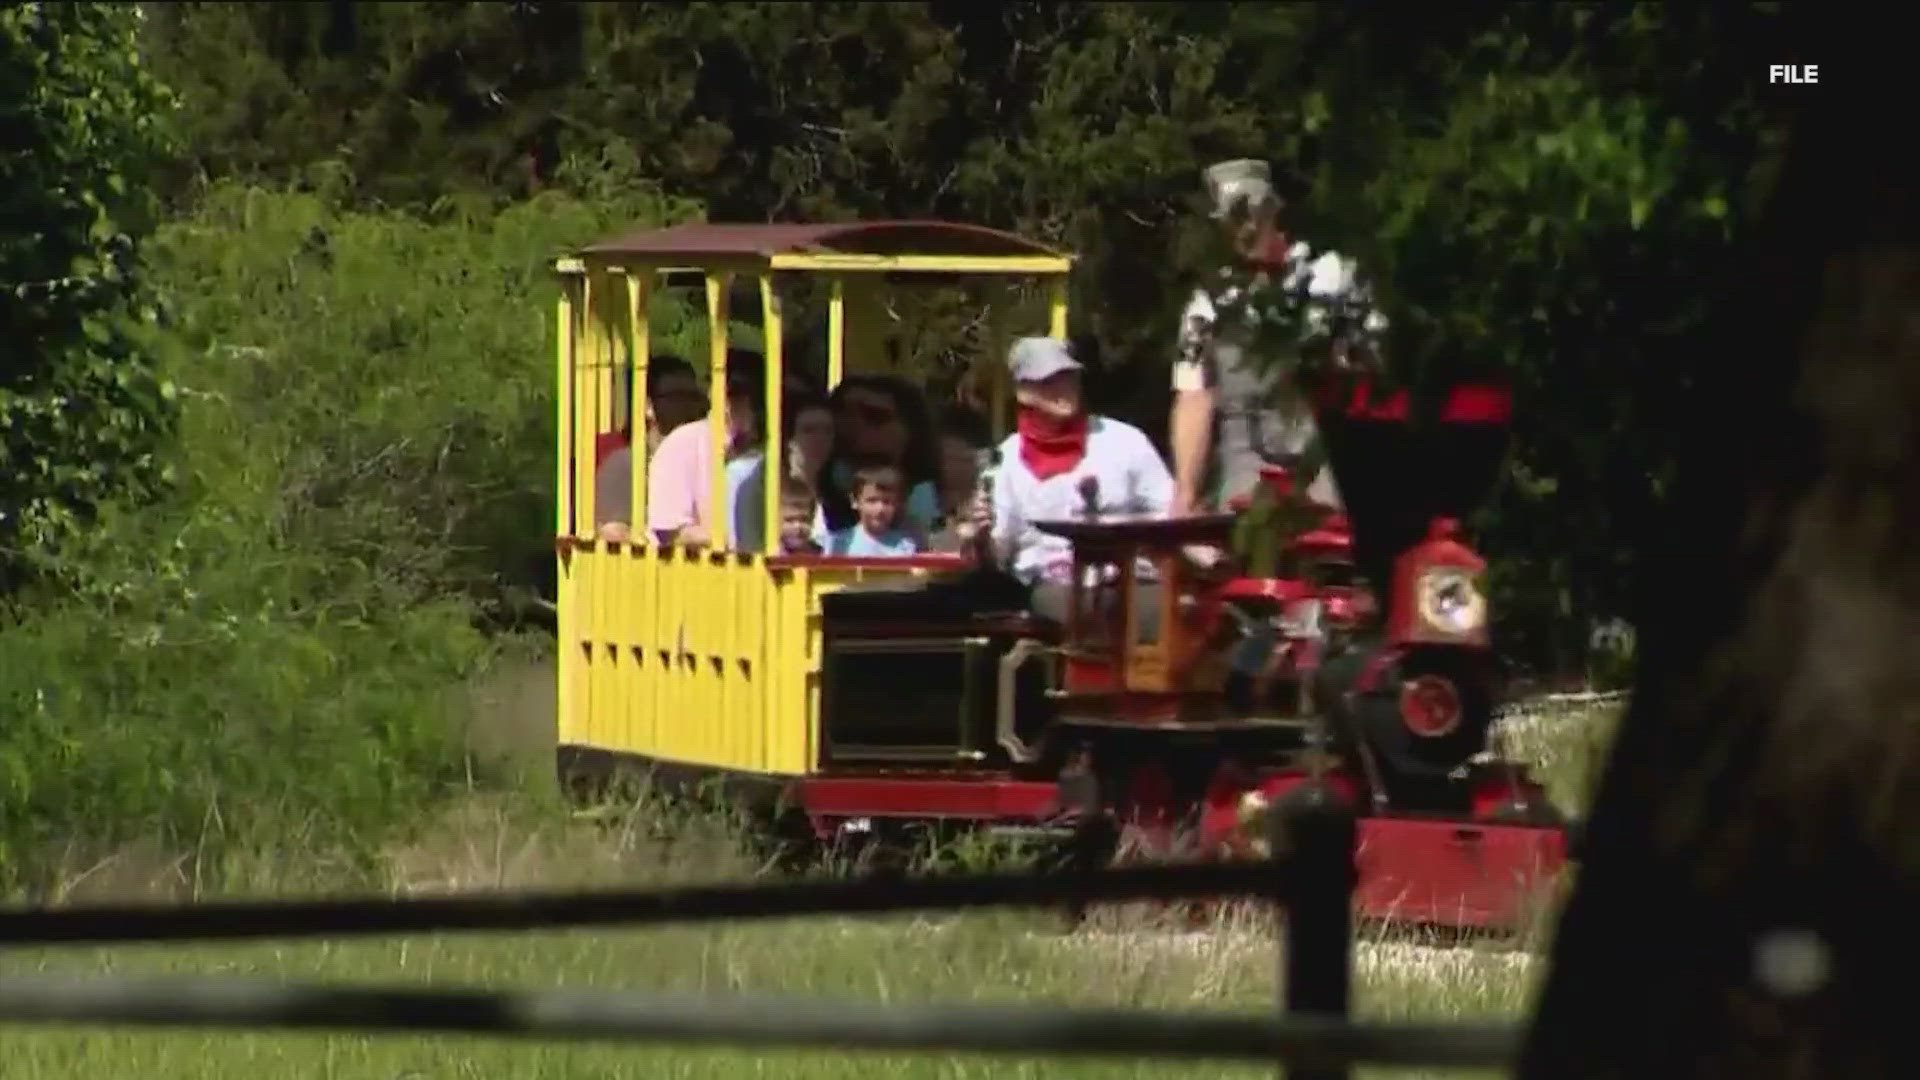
(601, 321)
(563, 401)
(568, 655)
(1057, 307)
(774, 334)
(720, 528)
(639, 333)
(999, 340)
(586, 413)
(629, 649)
(836, 331)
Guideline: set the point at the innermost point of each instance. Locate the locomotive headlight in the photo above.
(1450, 601)
(1430, 706)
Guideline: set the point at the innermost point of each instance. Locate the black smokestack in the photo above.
(1398, 470)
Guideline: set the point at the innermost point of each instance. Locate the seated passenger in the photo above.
(809, 428)
(965, 443)
(808, 423)
(1058, 460)
(680, 477)
(673, 398)
(797, 507)
(877, 418)
(878, 530)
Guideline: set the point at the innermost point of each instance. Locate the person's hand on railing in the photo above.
(615, 532)
(1186, 504)
(694, 535)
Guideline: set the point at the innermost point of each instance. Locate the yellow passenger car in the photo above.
(711, 662)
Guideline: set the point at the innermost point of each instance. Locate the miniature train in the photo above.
(849, 695)
(1387, 705)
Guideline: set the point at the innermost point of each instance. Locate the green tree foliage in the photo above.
(1536, 190)
(364, 471)
(1080, 123)
(421, 101)
(1546, 192)
(83, 412)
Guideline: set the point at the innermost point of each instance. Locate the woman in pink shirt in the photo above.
(673, 398)
(680, 476)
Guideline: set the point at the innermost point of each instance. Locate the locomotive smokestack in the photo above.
(1397, 473)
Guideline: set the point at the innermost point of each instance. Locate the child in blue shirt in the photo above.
(877, 534)
(797, 506)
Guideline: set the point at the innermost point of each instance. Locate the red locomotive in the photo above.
(1379, 687)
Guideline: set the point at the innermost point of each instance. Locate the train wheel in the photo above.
(874, 848)
(1091, 846)
(782, 840)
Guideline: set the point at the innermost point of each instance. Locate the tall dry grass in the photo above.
(1129, 956)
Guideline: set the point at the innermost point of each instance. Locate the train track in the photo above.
(1377, 957)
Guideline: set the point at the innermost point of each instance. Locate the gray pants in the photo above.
(1054, 601)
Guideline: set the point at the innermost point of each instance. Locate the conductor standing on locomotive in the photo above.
(1224, 410)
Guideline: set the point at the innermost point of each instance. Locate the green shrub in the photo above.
(365, 457)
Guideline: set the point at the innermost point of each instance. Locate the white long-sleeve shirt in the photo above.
(1134, 483)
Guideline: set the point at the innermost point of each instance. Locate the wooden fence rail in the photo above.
(1311, 876)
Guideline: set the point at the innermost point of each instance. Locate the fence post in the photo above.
(1314, 843)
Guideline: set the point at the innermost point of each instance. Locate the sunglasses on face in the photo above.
(871, 414)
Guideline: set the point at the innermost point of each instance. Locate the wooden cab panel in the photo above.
(1165, 651)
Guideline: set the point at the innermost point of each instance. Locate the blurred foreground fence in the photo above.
(1311, 876)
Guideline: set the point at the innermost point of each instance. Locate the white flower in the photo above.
(1332, 276)
(1374, 323)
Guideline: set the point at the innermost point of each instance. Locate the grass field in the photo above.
(998, 957)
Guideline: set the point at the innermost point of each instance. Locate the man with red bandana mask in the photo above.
(1061, 463)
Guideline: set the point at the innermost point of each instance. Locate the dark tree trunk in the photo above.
(1752, 872)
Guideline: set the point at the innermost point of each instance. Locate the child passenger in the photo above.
(796, 517)
(876, 532)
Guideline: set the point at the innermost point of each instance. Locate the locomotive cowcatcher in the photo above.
(850, 695)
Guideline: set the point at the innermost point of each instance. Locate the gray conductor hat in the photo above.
(1245, 181)
(1035, 359)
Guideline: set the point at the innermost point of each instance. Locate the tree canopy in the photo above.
(1536, 189)
(84, 413)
